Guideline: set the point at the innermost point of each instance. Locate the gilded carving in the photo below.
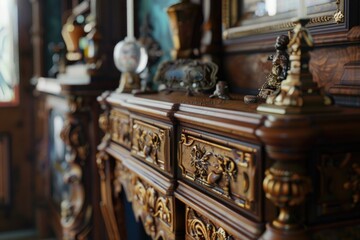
(153, 208)
(228, 171)
(73, 135)
(75, 214)
(231, 17)
(151, 143)
(338, 15)
(199, 160)
(286, 189)
(198, 227)
(106, 203)
(120, 127)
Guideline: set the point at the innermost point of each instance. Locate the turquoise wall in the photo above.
(156, 9)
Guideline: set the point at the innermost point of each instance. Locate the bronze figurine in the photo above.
(221, 91)
(280, 67)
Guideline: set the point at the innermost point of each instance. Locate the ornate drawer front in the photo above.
(151, 142)
(155, 209)
(120, 128)
(338, 185)
(226, 168)
(199, 227)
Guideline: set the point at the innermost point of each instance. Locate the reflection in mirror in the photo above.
(247, 17)
(8, 52)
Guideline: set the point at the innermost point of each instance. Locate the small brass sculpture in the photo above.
(298, 93)
(221, 91)
(280, 67)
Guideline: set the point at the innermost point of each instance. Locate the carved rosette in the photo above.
(228, 171)
(153, 208)
(286, 186)
(75, 213)
(151, 143)
(199, 227)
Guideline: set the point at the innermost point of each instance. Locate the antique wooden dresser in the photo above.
(201, 168)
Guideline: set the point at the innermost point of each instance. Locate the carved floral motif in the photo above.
(199, 160)
(227, 171)
(199, 227)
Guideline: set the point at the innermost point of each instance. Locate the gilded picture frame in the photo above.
(320, 12)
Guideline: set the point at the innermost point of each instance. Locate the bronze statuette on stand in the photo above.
(298, 93)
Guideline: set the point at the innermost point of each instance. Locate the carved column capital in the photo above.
(286, 183)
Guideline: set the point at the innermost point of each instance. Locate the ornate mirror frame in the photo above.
(319, 22)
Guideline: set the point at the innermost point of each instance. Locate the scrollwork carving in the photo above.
(199, 227)
(75, 213)
(74, 136)
(153, 208)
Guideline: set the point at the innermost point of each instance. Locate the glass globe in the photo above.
(130, 56)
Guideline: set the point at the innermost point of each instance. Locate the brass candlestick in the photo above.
(298, 92)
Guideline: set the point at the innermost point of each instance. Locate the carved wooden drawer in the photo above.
(229, 169)
(340, 196)
(151, 142)
(120, 127)
(151, 204)
(200, 227)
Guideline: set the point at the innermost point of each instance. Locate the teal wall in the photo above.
(52, 28)
(156, 9)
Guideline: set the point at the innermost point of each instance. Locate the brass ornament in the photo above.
(338, 15)
(198, 227)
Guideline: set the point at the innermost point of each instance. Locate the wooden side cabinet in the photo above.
(68, 191)
(195, 168)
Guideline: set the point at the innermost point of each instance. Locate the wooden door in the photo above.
(16, 184)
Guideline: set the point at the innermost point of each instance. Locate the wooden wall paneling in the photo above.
(4, 169)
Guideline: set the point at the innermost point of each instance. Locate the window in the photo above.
(9, 76)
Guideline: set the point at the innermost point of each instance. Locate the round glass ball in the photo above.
(130, 56)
